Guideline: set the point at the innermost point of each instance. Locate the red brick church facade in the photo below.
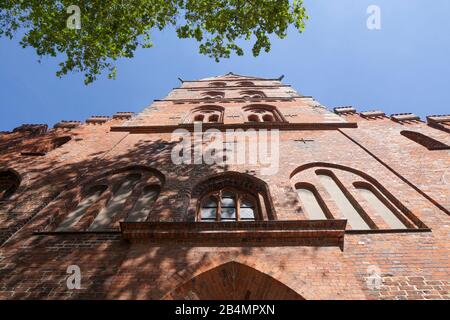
(357, 209)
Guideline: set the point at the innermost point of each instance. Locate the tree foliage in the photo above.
(114, 29)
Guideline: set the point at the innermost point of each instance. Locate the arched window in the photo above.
(127, 194)
(342, 201)
(213, 95)
(245, 84)
(314, 206)
(9, 183)
(88, 201)
(209, 113)
(252, 94)
(218, 84)
(263, 113)
(143, 206)
(353, 195)
(106, 216)
(231, 196)
(228, 205)
(427, 142)
(380, 205)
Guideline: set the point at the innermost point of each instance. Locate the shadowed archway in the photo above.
(233, 281)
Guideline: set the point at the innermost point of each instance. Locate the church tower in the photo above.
(299, 202)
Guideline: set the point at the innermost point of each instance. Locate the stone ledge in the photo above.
(344, 110)
(123, 115)
(372, 114)
(97, 119)
(282, 126)
(399, 117)
(67, 124)
(438, 118)
(301, 232)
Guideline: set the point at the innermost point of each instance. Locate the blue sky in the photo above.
(404, 67)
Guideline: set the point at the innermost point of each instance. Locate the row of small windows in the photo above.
(219, 84)
(253, 113)
(214, 95)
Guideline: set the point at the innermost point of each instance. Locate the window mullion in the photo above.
(219, 207)
(238, 207)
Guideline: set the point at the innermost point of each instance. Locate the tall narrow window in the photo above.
(380, 207)
(311, 203)
(143, 206)
(106, 216)
(209, 209)
(228, 210)
(247, 209)
(85, 204)
(344, 205)
(427, 142)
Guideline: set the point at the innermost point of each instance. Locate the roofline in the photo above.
(234, 74)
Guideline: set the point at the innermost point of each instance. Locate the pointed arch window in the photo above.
(106, 216)
(381, 206)
(354, 195)
(313, 203)
(144, 204)
(231, 196)
(88, 201)
(427, 142)
(342, 201)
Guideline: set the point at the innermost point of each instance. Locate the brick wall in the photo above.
(411, 265)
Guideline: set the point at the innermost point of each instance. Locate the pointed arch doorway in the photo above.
(233, 281)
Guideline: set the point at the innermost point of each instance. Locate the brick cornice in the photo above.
(248, 125)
